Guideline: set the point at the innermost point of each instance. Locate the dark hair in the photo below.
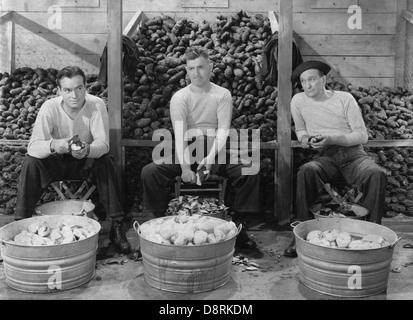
(193, 53)
(70, 72)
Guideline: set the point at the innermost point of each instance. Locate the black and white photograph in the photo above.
(206, 157)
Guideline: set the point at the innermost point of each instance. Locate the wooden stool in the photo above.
(64, 191)
(214, 183)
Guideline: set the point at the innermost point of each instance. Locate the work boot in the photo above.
(118, 236)
(291, 250)
(243, 241)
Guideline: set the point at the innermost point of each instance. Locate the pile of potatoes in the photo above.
(342, 239)
(189, 205)
(188, 230)
(42, 234)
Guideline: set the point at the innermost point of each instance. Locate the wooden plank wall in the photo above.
(363, 56)
(409, 51)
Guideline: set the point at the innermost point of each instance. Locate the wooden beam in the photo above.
(284, 175)
(400, 45)
(408, 16)
(8, 51)
(374, 143)
(6, 17)
(204, 3)
(12, 48)
(273, 21)
(270, 145)
(332, 4)
(133, 25)
(77, 3)
(115, 85)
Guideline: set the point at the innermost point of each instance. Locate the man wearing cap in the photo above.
(331, 122)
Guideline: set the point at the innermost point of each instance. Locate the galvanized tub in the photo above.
(69, 207)
(344, 272)
(361, 212)
(44, 269)
(186, 269)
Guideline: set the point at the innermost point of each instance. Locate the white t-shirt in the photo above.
(338, 115)
(52, 122)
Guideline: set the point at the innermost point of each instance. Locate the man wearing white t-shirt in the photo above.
(50, 156)
(331, 122)
(207, 108)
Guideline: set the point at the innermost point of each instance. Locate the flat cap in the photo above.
(312, 64)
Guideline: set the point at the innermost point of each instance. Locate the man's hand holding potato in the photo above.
(81, 153)
(79, 148)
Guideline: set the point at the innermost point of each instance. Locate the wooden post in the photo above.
(8, 52)
(133, 25)
(115, 85)
(12, 45)
(285, 38)
(400, 47)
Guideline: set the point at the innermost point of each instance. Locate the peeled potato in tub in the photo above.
(226, 227)
(180, 241)
(67, 231)
(173, 238)
(325, 243)
(188, 234)
(38, 240)
(373, 238)
(343, 239)
(315, 240)
(219, 235)
(24, 238)
(208, 225)
(49, 242)
(188, 230)
(34, 227)
(330, 235)
(45, 235)
(182, 218)
(232, 233)
(78, 233)
(68, 239)
(315, 234)
(44, 230)
(200, 237)
(211, 238)
(55, 234)
(375, 245)
(158, 238)
(359, 244)
(167, 233)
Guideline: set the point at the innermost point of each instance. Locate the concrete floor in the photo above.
(122, 278)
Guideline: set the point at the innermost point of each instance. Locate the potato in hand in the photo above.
(75, 143)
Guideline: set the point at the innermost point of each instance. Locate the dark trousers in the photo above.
(37, 174)
(337, 165)
(157, 179)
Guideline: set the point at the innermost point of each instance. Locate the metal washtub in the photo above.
(186, 269)
(44, 269)
(361, 212)
(70, 207)
(344, 272)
